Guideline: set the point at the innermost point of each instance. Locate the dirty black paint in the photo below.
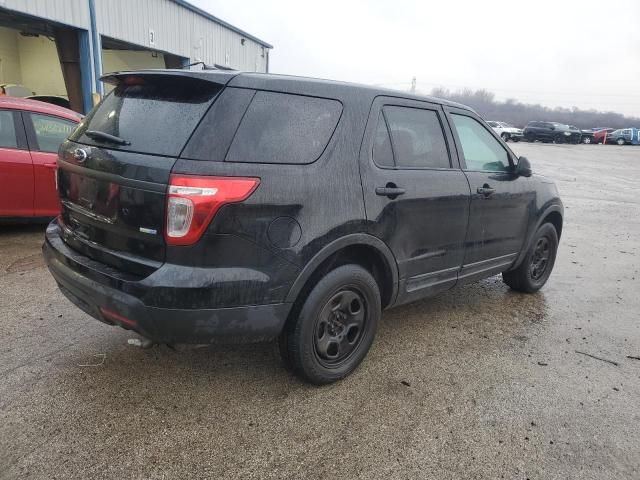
(436, 233)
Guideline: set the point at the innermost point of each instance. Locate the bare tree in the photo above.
(519, 114)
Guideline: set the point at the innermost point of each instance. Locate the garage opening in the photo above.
(43, 59)
(118, 55)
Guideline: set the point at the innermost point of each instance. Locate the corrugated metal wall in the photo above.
(176, 29)
(70, 12)
(179, 31)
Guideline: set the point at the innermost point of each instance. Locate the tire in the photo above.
(586, 140)
(335, 326)
(620, 141)
(531, 138)
(515, 139)
(558, 139)
(532, 273)
(505, 137)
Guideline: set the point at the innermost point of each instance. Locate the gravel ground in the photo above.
(479, 382)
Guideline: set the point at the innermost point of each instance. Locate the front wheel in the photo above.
(335, 327)
(586, 140)
(620, 141)
(505, 137)
(538, 263)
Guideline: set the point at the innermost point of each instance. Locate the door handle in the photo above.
(486, 190)
(391, 191)
(50, 165)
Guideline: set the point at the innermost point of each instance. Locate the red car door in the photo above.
(46, 133)
(16, 168)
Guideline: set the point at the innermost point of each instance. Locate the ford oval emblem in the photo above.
(80, 155)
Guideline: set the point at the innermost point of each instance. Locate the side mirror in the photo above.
(523, 168)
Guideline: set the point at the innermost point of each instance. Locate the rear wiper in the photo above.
(98, 135)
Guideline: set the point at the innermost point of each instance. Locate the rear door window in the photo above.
(417, 138)
(50, 131)
(284, 128)
(8, 138)
(382, 153)
(153, 115)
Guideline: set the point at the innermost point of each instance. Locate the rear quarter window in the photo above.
(284, 128)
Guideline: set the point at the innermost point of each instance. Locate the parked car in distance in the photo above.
(506, 131)
(586, 136)
(30, 134)
(624, 136)
(551, 132)
(287, 207)
(599, 135)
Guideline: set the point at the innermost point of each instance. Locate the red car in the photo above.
(30, 134)
(599, 135)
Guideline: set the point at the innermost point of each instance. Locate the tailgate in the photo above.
(114, 169)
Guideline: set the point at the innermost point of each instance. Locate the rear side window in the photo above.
(154, 115)
(51, 131)
(7, 130)
(283, 128)
(417, 138)
(382, 153)
(211, 139)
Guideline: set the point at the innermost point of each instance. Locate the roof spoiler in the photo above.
(218, 76)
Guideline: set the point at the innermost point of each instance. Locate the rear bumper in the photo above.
(119, 302)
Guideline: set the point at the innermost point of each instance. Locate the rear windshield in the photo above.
(153, 115)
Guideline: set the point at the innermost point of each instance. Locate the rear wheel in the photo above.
(586, 140)
(620, 141)
(530, 138)
(335, 327)
(537, 265)
(505, 137)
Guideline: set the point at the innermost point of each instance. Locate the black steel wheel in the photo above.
(540, 258)
(331, 330)
(534, 270)
(339, 327)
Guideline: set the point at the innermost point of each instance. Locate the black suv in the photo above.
(551, 132)
(197, 205)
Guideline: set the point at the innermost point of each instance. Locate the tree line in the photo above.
(519, 114)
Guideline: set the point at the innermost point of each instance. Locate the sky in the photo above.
(583, 53)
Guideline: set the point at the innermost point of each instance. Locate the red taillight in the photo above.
(193, 201)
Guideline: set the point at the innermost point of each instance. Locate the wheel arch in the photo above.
(360, 248)
(553, 214)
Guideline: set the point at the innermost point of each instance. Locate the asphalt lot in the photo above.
(477, 383)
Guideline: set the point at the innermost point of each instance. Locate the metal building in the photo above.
(54, 45)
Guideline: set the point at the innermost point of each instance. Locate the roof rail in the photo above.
(215, 66)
